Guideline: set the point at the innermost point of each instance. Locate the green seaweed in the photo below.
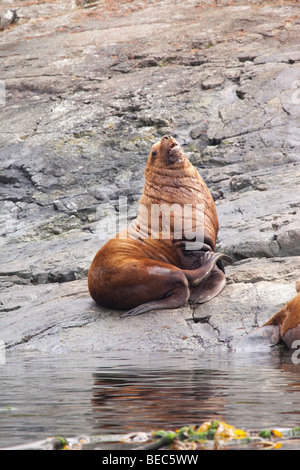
(295, 431)
(265, 433)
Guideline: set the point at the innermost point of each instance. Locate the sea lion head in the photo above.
(167, 153)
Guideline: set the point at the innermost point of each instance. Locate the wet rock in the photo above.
(88, 90)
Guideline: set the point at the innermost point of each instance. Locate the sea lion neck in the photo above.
(181, 186)
(160, 180)
(157, 173)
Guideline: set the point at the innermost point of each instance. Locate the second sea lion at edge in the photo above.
(147, 268)
(283, 326)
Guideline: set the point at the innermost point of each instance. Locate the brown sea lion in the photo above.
(284, 327)
(156, 265)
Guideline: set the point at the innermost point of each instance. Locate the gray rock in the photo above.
(7, 18)
(88, 90)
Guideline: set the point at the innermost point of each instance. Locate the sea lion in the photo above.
(284, 327)
(156, 265)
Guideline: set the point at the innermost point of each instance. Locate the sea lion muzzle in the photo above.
(172, 150)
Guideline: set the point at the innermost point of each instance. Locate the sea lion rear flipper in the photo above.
(175, 298)
(260, 338)
(138, 310)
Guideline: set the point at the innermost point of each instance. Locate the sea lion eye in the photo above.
(154, 153)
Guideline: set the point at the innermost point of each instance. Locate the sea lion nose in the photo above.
(167, 137)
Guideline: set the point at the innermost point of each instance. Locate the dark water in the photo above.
(74, 394)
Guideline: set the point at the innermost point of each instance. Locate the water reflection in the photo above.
(252, 392)
(77, 393)
(158, 398)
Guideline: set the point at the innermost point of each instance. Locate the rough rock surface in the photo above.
(85, 90)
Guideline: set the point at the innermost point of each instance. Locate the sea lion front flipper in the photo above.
(199, 275)
(260, 338)
(208, 289)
